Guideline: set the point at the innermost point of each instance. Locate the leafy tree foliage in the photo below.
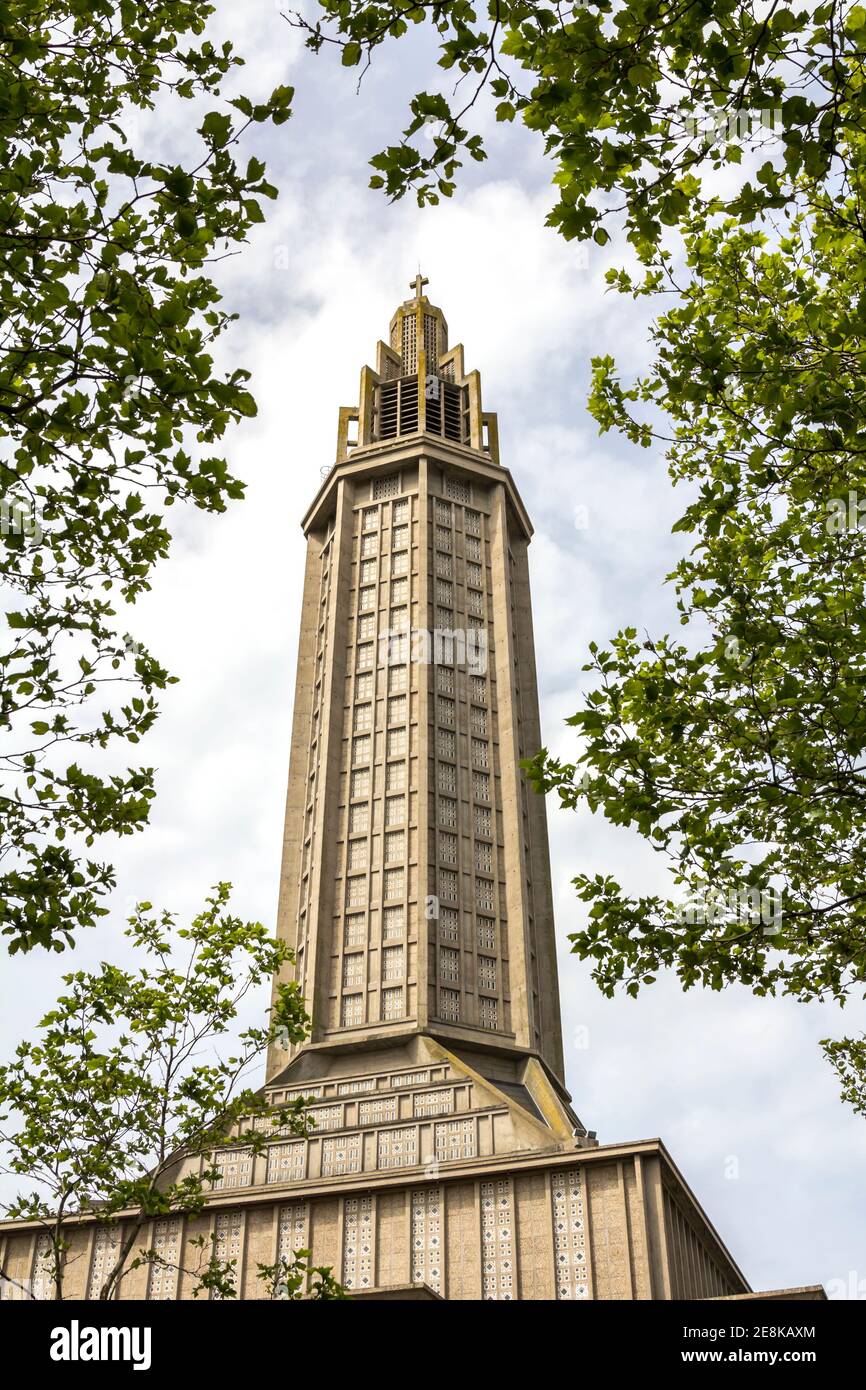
(127, 1081)
(111, 407)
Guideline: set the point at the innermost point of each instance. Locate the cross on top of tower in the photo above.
(418, 284)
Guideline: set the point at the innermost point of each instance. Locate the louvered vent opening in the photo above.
(452, 403)
(433, 405)
(387, 414)
(408, 405)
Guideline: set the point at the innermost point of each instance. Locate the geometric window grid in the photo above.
(385, 487)
(287, 1162)
(399, 590)
(442, 512)
(482, 819)
(395, 845)
(444, 592)
(235, 1167)
(474, 601)
(481, 786)
(445, 680)
(448, 924)
(445, 710)
(364, 686)
(360, 785)
(478, 689)
(483, 855)
(228, 1243)
(397, 679)
(393, 923)
(400, 563)
(355, 929)
(484, 892)
(439, 1102)
(354, 969)
(379, 1111)
(473, 574)
(370, 518)
(486, 933)
(357, 855)
(162, 1283)
(447, 810)
(106, 1248)
(366, 626)
(399, 619)
(369, 544)
(446, 777)
(392, 1004)
(486, 973)
(364, 655)
(488, 1012)
(448, 885)
(449, 1005)
(472, 522)
(42, 1273)
(357, 1260)
(399, 537)
(478, 719)
(363, 718)
(397, 708)
(446, 746)
(356, 892)
(569, 1241)
(351, 1010)
(448, 848)
(369, 571)
(397, 1148)
(497, 1240)
(473, 548)
(395, 810)
(395, 777)
(396, 744)
(427, 1237)
(393, 967)
(443, 565)
(479, 752)
(394, 883)
(443, 537)
(458, 489)
(292, 1230)
(361, 749)
(327, 1116)
(400, 511)
(341, 1155)
(449, 964)
(359, 820)
(455, 1139)
(366, 598)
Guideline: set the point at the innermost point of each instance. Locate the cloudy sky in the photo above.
(734, 1085)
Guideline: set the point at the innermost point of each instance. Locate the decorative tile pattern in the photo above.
(569, 1236)
(106, 1248)
(427, 1248)
(341, 1155)
(358, 1243)
(162, 1283)
(497, 1241)
(397, 1148)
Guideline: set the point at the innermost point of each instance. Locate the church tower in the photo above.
(415, 887)
(444, 1159)
(415, 884)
